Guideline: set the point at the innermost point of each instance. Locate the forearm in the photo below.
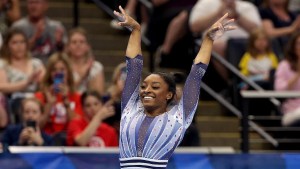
(201, 24)
(246, 24)
(277, 32)
(12, 87)
(98, 83)
(14, 13)
(83, 138)
(46, 115)
(292, 82)
(204, 53)
(134, 43)
(159, 2)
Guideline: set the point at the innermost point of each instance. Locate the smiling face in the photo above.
(155, 93)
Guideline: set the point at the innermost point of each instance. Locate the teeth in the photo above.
(148, 97)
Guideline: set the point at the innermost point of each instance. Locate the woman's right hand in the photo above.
(126, 20)
(106, 111)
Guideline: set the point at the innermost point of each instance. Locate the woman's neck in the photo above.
(78, 60)
(15, 60)
(155, 112)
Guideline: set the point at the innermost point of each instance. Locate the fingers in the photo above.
(117, 14)
(223, 17)
(122, 10)
(229, 28)
(230, 21)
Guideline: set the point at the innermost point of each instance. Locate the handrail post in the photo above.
(75, 13)
(245, 127)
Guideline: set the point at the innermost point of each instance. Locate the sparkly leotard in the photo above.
(148, 142)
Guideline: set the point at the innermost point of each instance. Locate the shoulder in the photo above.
(96, 68)
(36, 62)
(246, 5)
(284, 65)
(22, 22)
(13, 129)
(54, 23)
(2, 63)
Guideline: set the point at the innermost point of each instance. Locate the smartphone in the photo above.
(106, 98)
(58, 79)
(31, 123)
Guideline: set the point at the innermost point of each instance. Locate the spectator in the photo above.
(19, 72)
(90, 130)
(287, 78)
(27, 133)
(9, 13)
(205, 12)
(259, 61)
(168, 24)
(58, 95)
(115, 93)
(278, 21)
(88, 73)
(45, 35)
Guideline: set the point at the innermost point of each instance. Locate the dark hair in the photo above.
(290, 53)
(170, 80)
(90, 93)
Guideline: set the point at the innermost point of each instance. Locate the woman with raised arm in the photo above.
(149, 132)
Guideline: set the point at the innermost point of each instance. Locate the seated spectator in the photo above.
(168, 24)
(45, 35)
(287, 78)
(19, 72)
(58, 95)
(205, 12)
(114, 93)
(27, 133)
(9, 13)
(90, 130)
(278, 21)
(259, 61)
(88, 73)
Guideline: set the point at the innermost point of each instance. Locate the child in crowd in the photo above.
(90, 130)
(27, 133)
(259, 61)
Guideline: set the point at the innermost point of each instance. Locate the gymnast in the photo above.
(150, 130)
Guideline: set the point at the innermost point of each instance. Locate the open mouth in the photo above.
(148, 98)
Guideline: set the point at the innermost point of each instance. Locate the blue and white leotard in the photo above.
(148, 142)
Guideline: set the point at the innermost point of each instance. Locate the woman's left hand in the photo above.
(126, 20)
(220, 27)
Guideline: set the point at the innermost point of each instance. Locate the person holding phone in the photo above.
(58, 95)
(28, 132)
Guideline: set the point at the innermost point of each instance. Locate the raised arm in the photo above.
(134, 60)
(134, 43)
(191, 89)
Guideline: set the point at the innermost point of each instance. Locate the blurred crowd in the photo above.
(52, 87)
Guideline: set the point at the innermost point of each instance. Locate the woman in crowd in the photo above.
(90, 130)
(58, 95)
(19, 72)
(149, 133)
(287, 78)
(88, 73)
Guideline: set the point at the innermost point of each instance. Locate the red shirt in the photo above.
(105, 135)
(58, 116)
